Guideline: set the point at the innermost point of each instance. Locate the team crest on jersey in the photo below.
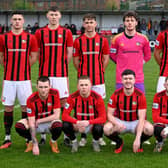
(97, 44)
(110, 101)
(23, 41)
(122, 44)
(134, 103)
(60, 35)
(67, 106)
(29, 110)
(138, 43)
(90, 106)
(49, 104)
(155, 106)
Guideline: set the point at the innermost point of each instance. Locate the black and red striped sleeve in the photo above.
(66, 115)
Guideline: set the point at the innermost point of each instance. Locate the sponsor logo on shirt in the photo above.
(53, 44)
(110, 101)
(90, 52)
(67, 105)
(155, 106)
(29, 110)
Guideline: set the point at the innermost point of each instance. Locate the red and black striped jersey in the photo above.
(162, 43)
(160, 108)
(53, 51)
(90, 52)
(43, 108)
(91, 108)
(127, 106)
(17, 49)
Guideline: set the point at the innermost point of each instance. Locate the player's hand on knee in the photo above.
(36, 150)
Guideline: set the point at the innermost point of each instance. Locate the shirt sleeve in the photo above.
(105, 47)
(57, 103)
(1, 44)
(147, 50)
(142, 102)
(156, 111)
(76, 49)
(33, 44)
(100, 107)
(66, 116)
(113, 50)
(38, 37)
(159, 41)
(112, 101)
(30, 109)
(69, 38)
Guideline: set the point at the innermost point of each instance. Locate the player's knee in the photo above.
(20, 128)
(56, 127)
(67, 126)
(8, 108)
(107, 129)
(148, 128)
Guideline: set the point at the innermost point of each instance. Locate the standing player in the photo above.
(161, 47)
(130, 50)
(89, 114)
(160, 116)
(55, 46)
(43, 110)
(91, 56)
(18, 51)
(126, 114)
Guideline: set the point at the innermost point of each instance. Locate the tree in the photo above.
(22, 5)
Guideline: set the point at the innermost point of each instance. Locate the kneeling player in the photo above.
(43, 110)
(126, 114)
(159, 115)
(89, 114)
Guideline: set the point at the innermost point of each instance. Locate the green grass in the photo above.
(14, 157)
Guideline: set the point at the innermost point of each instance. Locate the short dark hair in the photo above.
(43, 79)
(128, 72)
(54, 8)
(83, 77)
(17, 13)
(89, 16)
(130, 14)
